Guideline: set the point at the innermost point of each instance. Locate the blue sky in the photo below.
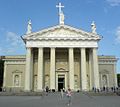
(14, 16)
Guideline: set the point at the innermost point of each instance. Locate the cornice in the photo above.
(15, 61)
(60, 38)
(107, 61)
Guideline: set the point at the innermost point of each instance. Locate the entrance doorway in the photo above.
(61, 82)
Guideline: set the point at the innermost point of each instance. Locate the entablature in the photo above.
(62, 44)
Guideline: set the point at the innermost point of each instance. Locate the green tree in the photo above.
(1, 72)
(118, 79)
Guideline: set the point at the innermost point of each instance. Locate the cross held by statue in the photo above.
(59, 6)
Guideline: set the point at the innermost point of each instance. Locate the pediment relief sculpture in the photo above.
(61, 32)
(60, 69)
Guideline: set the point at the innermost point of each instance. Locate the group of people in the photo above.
(68, 93)
(106, 89)
(63, 93)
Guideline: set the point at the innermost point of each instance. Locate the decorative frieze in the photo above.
(15, 62)
(62, 44)
(107, 60)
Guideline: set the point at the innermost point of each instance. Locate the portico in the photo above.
(73, 58)
(61, 55)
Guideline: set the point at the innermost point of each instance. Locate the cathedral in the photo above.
(60, 57)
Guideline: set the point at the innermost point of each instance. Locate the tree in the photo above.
(118, 79)
(1, 72)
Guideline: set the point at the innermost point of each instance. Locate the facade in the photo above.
(60, 57)
(15, 68)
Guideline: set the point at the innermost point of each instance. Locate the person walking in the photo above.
(44, 92)
(47, 90)
(62, 93)
(69, 95)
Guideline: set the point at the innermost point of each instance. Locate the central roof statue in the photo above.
(61, 14)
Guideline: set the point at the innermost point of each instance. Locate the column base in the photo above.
(27, 91)
(39, 90)
(52, 90)
(85, 90)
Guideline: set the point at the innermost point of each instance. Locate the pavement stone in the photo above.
(54, 100)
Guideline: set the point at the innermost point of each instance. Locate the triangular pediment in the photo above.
(60, 32)
(61, 69)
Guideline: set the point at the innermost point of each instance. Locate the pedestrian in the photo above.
(47, 90)
(61, 91)
(44, 92)
(69, 95)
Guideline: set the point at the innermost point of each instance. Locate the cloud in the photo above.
(11, 43)
(13, 38)
(6, 50)
(114, 2)
(118, 34)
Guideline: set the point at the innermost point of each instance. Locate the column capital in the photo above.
(28, 47)
(71, 48)
(95, 48)
(82, 48)
(52, 47)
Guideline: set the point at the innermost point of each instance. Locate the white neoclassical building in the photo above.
(60, 57)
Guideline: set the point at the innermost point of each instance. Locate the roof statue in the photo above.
(61, 14)
(93, 27)
(62, 18)
(29, 27)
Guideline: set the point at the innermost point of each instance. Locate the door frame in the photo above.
(65, 75)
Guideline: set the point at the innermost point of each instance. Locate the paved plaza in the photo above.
(55, 100)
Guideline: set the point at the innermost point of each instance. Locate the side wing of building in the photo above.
(107, 71)
(14, 72)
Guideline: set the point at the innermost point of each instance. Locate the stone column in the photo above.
(31, 66)
(101, 80)
(83, 70)
(71, 68)
(4, 78)
(116, 84)
(52, 68)
(115, 76)
(108, 80)
(40, 70)
(95, 69)
(90, 70)
(28, 70)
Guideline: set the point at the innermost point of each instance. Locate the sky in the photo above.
(14, 16)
